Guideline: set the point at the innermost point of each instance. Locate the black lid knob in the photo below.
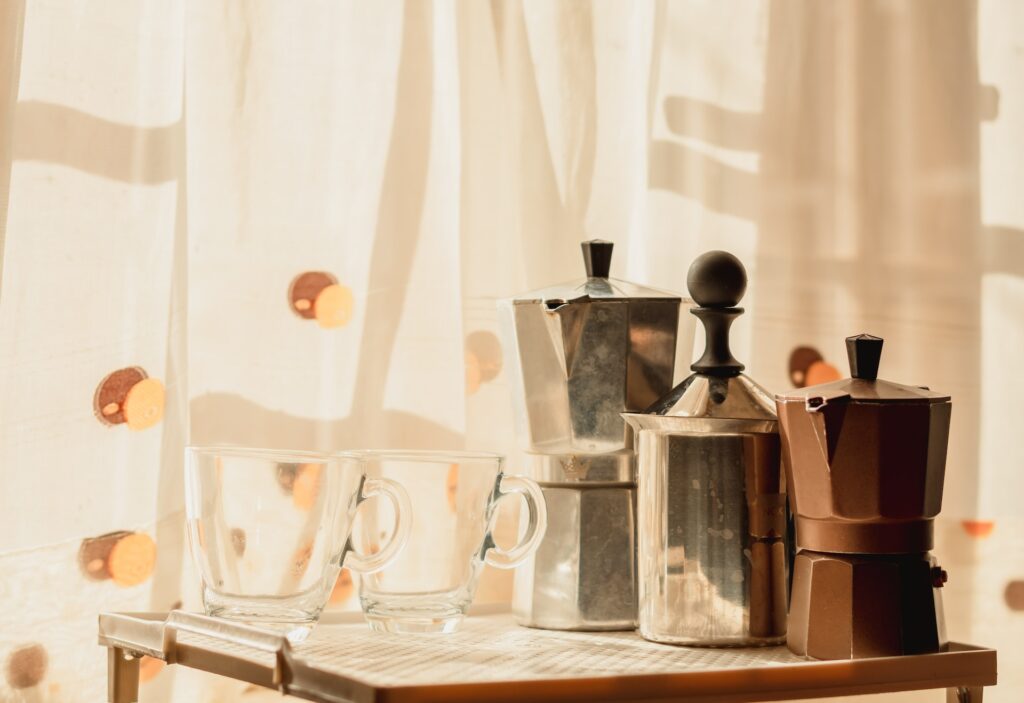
(717, 281)
(864, 352)
(597, 256)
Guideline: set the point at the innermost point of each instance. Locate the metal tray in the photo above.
(493, 659)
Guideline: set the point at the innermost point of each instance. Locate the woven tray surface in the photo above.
(493, 648)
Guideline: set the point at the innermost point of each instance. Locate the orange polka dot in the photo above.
(132, 559)
(978, 528)
(149, 667)
(343, 587)
(144, 404)
(306, 486)
(452, 485)
(821, 372)
(474, 374)
(333, 306)
(486, 348)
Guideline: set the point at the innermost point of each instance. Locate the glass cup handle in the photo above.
(369, 563)
(538, 523)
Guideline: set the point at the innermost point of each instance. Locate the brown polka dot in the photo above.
(452, 485)
(149, 667)
(306, 486)
(300, 560)
(343, 587)
(1014, 595)
(144, 405)
(26, 666)
(286, 476)
(978, 528)
(238, 541)
(800, 359)
(486, 348)
(821, 372)
(132, 559)
(304, 290)
(112, 391)
(474, 374)
(94, 552)
(333, 306)
(176, 605)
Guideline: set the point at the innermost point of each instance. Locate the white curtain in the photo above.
(287, 224)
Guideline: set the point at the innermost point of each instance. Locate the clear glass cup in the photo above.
(454, 508)
(269, 530)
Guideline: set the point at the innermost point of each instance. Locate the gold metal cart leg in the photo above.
(122, 676)
(964, 694)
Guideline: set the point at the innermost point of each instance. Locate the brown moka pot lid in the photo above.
(864, 351)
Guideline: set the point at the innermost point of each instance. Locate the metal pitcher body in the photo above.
(712, 551)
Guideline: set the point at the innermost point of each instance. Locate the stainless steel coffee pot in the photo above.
(583, 353)
(712, 502)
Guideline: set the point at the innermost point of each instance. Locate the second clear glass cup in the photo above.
(454, 497)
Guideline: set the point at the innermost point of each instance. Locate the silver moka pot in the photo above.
(712, 502)
(583, 353)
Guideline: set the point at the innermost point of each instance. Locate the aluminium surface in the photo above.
(492, 659)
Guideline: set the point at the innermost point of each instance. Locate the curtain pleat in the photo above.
(287, 225)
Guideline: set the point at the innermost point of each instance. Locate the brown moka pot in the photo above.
(865, 462)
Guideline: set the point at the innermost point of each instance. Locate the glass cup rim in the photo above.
(431, 456)
(424, 456)
(265, 453)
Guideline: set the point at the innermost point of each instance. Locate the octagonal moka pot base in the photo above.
(854, 606)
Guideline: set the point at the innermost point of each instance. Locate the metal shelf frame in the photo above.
(610, 667)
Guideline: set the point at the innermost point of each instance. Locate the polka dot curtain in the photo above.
(286, 225)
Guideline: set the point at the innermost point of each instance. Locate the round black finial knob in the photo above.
(717, 282)
(865, 353)
(717, 279)
(597, 257)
